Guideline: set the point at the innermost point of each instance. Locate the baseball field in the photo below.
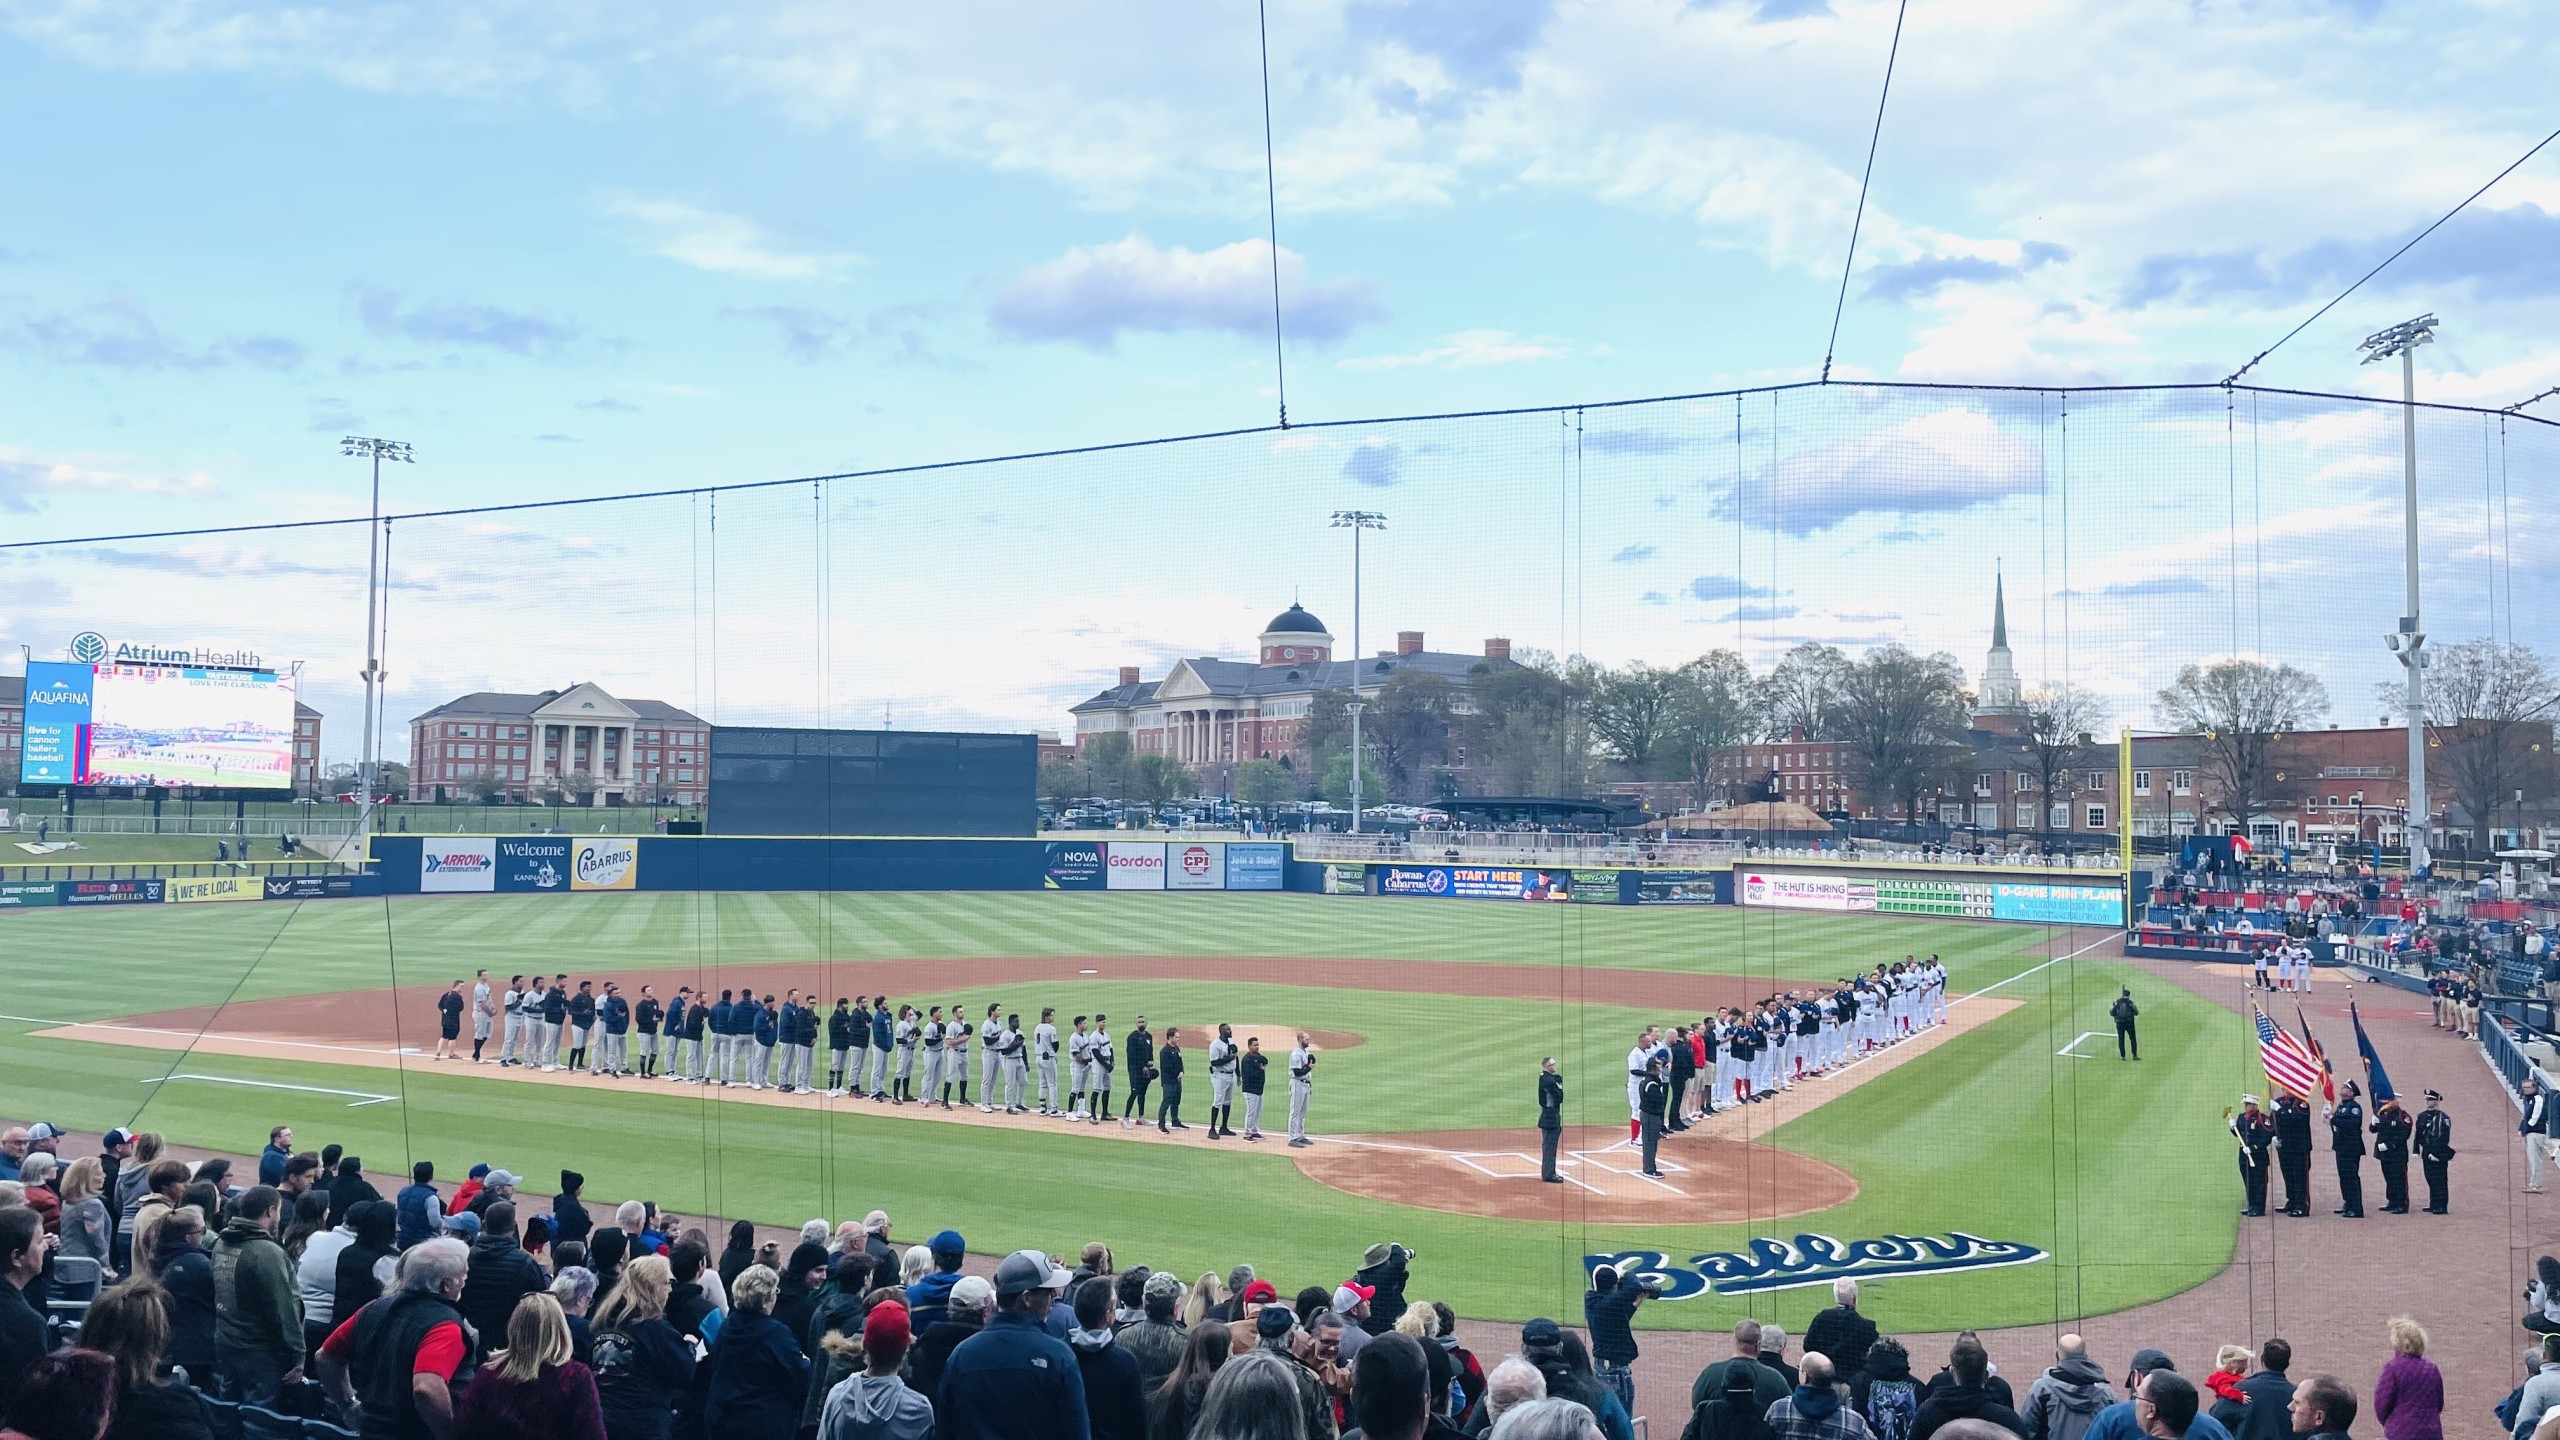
(2009, 1166)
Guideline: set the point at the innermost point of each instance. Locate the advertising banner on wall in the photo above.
(19, 894)
(1255, 867)
(111, 892)
(1133, 864)
(1475, 882)
(2057, 904)
(604, 862)
(533, 864)
(1675, 887)
(212, 889)
(1074, 865)
(1958, 899)
(320, 887)
(457, 865)
(1195, 865)
(1804, 892)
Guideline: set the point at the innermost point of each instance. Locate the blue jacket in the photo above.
(882, 1024)
(1012, 1381)
(720, 1012)
(617, 1015)
(271, 1162)
(768, 1028)
(2116, 1422)
(758, 1378)
(929, 1299)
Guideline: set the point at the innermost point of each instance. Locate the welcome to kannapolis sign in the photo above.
(1815, 1260)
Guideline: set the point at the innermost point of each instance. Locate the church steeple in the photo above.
(1999, 693)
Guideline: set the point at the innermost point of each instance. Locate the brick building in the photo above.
(1214, 713)
(528, 747)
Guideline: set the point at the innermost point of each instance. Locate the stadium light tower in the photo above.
(1356, 521)
(378, 451)
(2409, 643)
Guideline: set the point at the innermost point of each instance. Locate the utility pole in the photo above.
(2409, 643)
(368, 767)
(1356, 521)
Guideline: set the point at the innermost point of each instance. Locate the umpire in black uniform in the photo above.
(2346, 1142)
(2435, 1150)
(1550, 1119)
(2293, 1152)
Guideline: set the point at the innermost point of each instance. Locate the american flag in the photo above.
(2289, 1066)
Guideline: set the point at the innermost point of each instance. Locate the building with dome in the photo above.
(1215, 713)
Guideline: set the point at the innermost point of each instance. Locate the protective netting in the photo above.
(2130, 532)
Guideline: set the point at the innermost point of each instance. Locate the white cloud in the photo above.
(1465, 349)
(27, 479)
(1094, 293)
(724, 244)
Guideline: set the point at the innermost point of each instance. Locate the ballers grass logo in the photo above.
(1815, 1260)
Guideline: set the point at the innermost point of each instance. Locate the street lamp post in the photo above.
(1356, 521)
(377, 451)
(2409, 644)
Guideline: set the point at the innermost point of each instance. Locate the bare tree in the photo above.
(1902, 717)
(1631, 711)
(2481, 700)
(2060, 722)
(1802, 692)
(1711, 709)
(2241, 710)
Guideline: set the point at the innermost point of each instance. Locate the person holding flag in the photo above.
(2256, 1133)
(2294, 1072)
(2391, 1124)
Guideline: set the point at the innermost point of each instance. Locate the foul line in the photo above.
(364, 1097)
(220, 1034)
(2049, 964)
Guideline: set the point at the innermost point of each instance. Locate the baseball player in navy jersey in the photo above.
(990, 1057)
(768, 1043)
(481, 1008)
(840, 1023)
(1141, 1046)
(1302, 1087)
(1098, 1066)
(859, 1066)
(1044, 1049)
(929, 1038)
(1079, 1061)
(955, 1056)
(613, 1018)
(697, 1025)
(786, 1037)
(1252, 1068)
(1222, 1081)
(646, 1016)
(716, 1069)
(884, 1035)
(679, 1016)
(555, 1014)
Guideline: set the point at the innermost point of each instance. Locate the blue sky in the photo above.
(584, 248)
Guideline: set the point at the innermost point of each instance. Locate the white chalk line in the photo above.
(363, 1097)
(2066, 1050)
(214, 1035)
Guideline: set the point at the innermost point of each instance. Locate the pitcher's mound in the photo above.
(1494, 1173)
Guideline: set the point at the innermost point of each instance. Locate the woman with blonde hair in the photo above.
(650, 1366)
(914, 1265)
(87, 1229)
(1205, 1296)
(2223, 1396)
(2409, 1398)
(1422, 1322)
(533, 1390)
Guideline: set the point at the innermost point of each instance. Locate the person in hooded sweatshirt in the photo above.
(2065, 1400)
(876, 1404)
(1966, 1398)
(1733, 1414)
(1115, 1408)
(927, 1297)
(364, 1268)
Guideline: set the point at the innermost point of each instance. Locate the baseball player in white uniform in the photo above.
(1017, 1066)
(1044, 1048)
(1302, 1086)
(1098, 1068)
(1639, 1058)
(905, 1036)
(955, 1056)
(481, 1015)
(990, 1058)
(931, 1039)
(1079, 1066)
(1222, 1081)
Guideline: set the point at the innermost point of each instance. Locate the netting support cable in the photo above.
(1271, 210)
(1858, 219)
(2394, 255)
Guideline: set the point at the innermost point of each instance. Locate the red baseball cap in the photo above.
(1260, 1292)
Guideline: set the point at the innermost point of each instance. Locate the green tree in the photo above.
(1107, 758)
(1265, 782)
(2242, 710)
(1712, 708)
(1156, 777)
(1337, 782)
(1631, 711)
(1063, 781)
(1902, 718)
(1531, 726)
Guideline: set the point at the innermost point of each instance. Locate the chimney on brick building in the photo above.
(1497, 649)
(1128, 675)
(1408, 642)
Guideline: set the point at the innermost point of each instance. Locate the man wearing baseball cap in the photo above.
(1351, 1302)
(1275, 1330)
(1014, 1380)
(927, 1297)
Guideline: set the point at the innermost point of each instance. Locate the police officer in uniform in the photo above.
(1550, 1119)
(2255, 1132)
(2435, 1150)
(2346, 1143)
(2293, 1152)
(2391, 1127)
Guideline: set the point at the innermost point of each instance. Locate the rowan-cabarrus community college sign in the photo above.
(1816, 1260)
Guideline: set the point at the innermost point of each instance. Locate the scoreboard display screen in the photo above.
(111, 724)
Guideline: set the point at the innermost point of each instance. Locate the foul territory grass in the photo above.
(2117, 1170)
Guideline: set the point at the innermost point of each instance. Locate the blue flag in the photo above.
(2376, 1082)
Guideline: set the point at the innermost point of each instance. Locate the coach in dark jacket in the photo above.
(500, 1273)
(1841, 1333)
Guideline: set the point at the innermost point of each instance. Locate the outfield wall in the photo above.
(543, 864)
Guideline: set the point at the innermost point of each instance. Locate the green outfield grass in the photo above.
(2117, 1170)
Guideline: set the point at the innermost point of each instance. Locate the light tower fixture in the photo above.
(2409, 641)
(1356, 521)
(398, 452)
